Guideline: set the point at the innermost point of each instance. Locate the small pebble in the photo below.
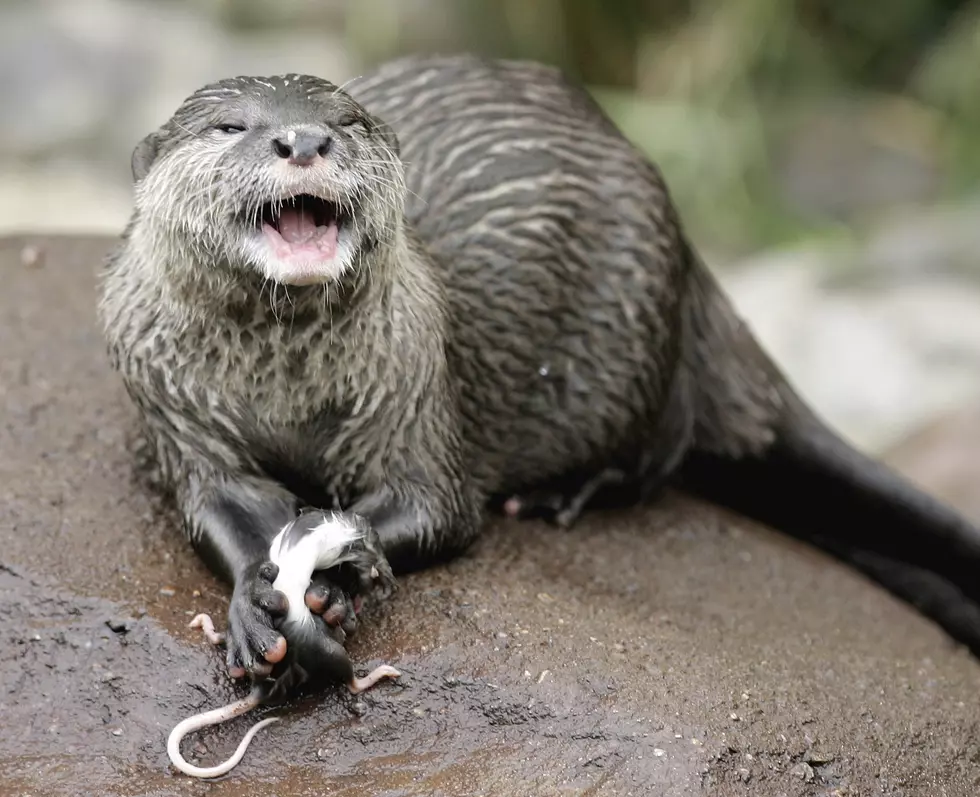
(31, 257)
(168, 592)
(119, 625)
(117, 731)
(804, 771)
(658, 752)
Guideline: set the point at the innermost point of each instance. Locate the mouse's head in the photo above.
(283, 178)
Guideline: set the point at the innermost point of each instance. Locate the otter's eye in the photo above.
(354, 122)
(230, 128)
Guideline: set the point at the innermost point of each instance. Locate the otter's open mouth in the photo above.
(303, 228)
(303, 219)
(304, 239)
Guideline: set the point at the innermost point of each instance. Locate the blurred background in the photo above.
(825, 154)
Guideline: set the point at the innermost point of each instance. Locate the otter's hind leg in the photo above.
(672, 437)
(563, 504)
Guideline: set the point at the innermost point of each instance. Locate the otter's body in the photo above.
(573, 293)
(527, 319)
(561, 260)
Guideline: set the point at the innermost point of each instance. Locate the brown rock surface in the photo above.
(670, 651)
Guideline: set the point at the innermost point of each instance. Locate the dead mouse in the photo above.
(314, 541)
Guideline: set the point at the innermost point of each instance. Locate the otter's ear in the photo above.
(144, 155)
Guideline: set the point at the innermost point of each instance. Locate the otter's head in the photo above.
(286, 178)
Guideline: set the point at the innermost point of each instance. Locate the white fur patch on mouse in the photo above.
(300, 550)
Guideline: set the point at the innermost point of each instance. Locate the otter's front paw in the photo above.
(337, 595)
(338, 607)
(254, 644)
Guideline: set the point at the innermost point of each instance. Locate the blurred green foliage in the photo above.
(746, 104)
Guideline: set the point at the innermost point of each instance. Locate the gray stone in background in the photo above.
(942, 456)
(843, 157)
(84, 81)
(881, 335)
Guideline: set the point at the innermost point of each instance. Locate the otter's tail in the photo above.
(760, 451)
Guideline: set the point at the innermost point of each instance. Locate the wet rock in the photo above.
(825, 660)
(816, 758)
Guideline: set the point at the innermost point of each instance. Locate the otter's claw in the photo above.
(336, 594)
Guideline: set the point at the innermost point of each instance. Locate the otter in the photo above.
(450, 288)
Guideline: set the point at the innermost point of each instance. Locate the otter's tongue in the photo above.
(297, 241)
(297, 226)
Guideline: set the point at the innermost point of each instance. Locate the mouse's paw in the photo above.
(204, 622)
(357, 685)
(254, 645)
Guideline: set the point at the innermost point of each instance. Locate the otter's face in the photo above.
(287, 176)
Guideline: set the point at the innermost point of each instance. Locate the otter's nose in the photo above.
(301, 148)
